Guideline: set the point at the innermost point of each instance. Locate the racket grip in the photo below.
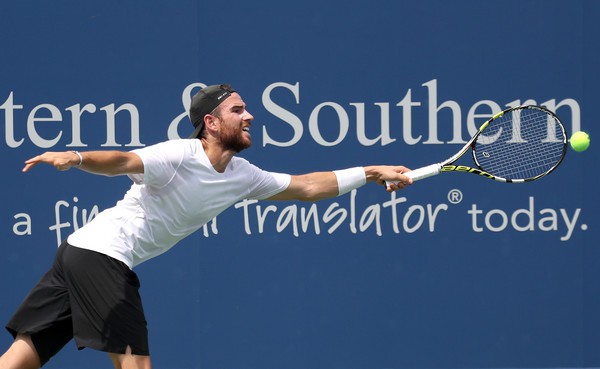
(422, 173)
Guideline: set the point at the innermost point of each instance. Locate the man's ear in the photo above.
(210, 122)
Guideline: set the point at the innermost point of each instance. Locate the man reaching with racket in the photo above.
(91, 293)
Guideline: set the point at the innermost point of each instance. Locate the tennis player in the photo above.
(91, 292)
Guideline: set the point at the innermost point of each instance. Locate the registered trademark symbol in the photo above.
(455, 196)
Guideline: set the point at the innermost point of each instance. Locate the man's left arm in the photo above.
(109, 163)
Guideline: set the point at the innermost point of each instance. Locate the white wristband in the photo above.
(349, 179)
(80, 158)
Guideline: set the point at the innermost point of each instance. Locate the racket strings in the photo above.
(523, 144)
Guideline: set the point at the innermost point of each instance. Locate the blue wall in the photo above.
(454, 272)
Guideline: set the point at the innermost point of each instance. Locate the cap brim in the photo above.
(197, 131)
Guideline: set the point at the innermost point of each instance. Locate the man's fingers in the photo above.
(29, 164)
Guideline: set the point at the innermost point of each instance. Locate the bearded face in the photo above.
(235, 137)
(233, 122)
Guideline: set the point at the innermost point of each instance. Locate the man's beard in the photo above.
(235, 142)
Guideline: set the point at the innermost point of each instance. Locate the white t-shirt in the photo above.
(178, 193)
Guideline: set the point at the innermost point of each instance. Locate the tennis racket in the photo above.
(517, 145)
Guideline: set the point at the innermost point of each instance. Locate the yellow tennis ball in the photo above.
(580, 141)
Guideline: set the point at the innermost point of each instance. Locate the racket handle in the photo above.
(422, 173)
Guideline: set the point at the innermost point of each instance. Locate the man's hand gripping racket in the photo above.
(517, 145)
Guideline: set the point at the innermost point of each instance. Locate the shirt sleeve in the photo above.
(160, 163)
(267, 184)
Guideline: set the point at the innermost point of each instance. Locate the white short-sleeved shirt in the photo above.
(178, 193)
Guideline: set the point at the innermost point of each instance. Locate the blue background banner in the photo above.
(454, 272)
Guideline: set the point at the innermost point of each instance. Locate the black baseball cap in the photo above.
(204, 102)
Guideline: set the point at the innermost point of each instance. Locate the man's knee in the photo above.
(129, 360)
(21, 354)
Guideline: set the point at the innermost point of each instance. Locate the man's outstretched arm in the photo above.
(108, 163)
(322, 185)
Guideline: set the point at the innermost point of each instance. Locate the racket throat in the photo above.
(466, 169)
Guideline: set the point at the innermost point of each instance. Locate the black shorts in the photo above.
(87, 296)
